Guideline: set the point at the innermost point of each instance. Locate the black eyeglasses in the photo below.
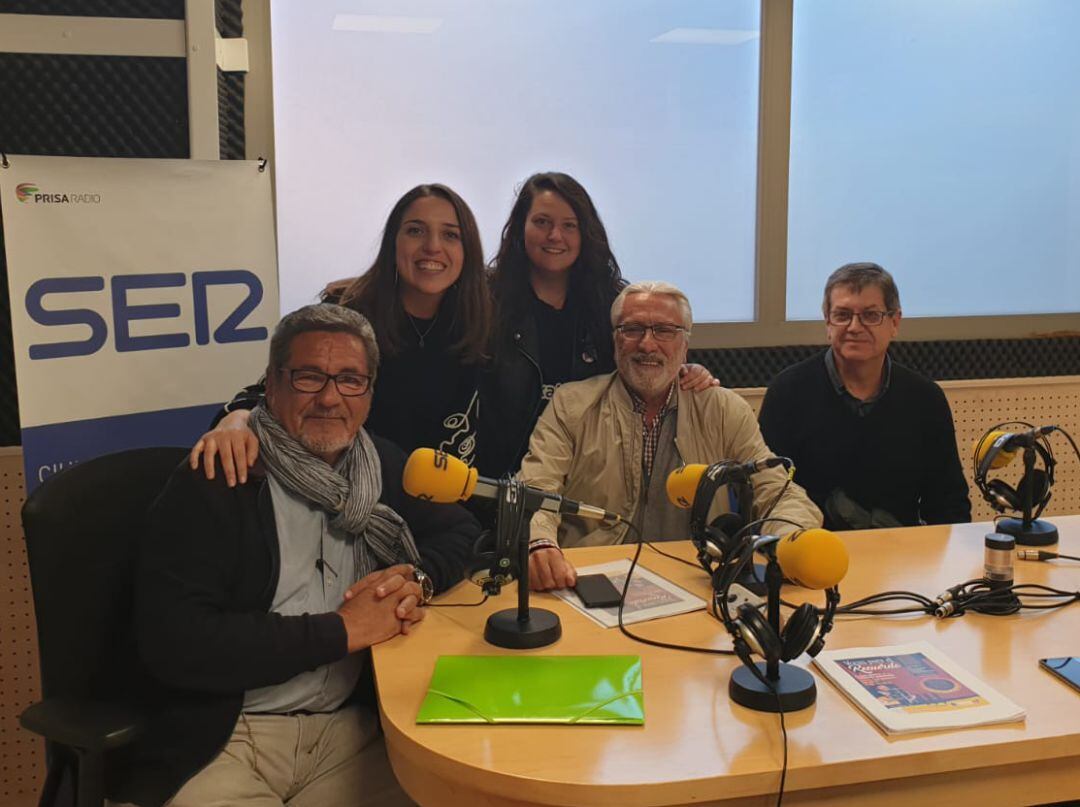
(634, 332)
(349, 385)
(871, 318)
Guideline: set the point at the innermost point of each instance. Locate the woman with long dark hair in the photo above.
(554, 280)
(426, 295)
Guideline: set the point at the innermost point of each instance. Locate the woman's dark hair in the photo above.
(374, 293)
(595, 279)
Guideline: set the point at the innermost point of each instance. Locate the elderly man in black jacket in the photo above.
(256, 604)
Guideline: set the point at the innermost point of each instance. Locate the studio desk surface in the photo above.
(698, 747)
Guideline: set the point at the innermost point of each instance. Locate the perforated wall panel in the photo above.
(141, 9)
(940, 360)
(978, 405)
(230, 24)
(22, 765)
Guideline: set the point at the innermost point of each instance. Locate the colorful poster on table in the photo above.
(911, 682)
(143, 293)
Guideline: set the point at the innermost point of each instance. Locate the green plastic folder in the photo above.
(535, 689)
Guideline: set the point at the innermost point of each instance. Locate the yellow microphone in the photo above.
(435, 476)
(682, 484)
(983, 445)
(814, 558)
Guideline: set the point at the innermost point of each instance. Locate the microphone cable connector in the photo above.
(944, 610)
(1035, 554)
(946, 596)
(1042, 555)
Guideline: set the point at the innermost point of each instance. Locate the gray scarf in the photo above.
(349, 492)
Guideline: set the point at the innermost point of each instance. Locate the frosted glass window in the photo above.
(940, 138)
(651, 105)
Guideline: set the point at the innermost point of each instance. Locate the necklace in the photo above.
(420, 336)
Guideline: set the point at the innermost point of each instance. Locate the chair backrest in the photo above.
(82, 528)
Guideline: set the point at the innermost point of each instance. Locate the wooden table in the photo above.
(698, 747)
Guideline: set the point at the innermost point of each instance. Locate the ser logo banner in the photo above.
(124, 312)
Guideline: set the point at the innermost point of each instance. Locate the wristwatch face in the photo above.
(427, 588)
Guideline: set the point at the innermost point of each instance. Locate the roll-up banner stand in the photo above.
(143, 293)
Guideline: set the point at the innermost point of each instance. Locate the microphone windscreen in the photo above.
(813, 558)
(982, 446)
(437, 477)
(682, 484)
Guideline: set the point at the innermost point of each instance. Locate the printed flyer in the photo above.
(914, 687)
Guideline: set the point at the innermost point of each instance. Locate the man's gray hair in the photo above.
(857, 276)
(322, 317)
(653, 287)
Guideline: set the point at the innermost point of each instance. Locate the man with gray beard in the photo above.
(612, 440)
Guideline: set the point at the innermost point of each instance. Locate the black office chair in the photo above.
(82, 528)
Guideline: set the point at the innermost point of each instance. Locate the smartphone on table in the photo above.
(597, 591)
(1067, 668)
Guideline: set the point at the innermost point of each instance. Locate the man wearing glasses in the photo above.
(873, 442)
(612, 440)
(256, 604)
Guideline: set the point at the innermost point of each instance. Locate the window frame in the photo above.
(770, 326)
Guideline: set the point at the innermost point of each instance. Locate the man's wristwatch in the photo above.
(427, 588)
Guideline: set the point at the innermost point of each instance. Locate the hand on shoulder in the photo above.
(696, 378)
(232, 444)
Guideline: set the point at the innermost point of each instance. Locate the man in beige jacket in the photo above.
(612, 440)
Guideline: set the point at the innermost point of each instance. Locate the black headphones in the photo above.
(716, 541)
(1000, 494)
(803, 632)
(494, 561)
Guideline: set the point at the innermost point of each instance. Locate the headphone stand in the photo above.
(522, 628)
(1035, 532)
(1028, 531)
(790, 688)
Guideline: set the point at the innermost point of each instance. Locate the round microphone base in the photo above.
(795, 689)
(1037, 533)
(504, 629)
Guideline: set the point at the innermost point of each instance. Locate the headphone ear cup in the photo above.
(1001, 494)
(799, 633)
(483, 555)
(1040, 486)
(723, 529)
(758, 633)
(741, 648)
(715, 544)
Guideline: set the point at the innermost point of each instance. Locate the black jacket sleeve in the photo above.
(247, 398)
(774, 419)
(203, 593)
(943, 489)
(445, 533)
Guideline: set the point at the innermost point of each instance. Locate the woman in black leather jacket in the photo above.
(553, 280)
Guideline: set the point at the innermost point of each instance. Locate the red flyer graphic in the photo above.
(911, 682)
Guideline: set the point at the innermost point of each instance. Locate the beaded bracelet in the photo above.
(543, 543)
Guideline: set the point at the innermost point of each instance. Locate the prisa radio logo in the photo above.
(25, 191)
(30, 192)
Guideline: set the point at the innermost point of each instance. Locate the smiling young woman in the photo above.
(427, 297)
(554, 280)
